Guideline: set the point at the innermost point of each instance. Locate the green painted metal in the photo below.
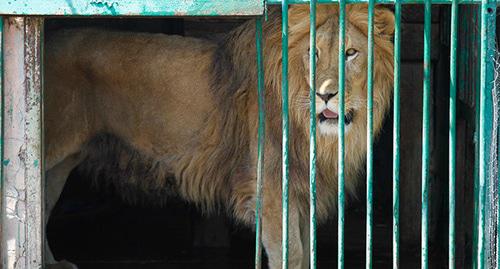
(497, 249)
(275, 2)
(132, 7)
(426, 136)
(312, 135)
(261, 145)
(256, 7)
(452, 134)
(396, 136)
(341, 145)
(488, 13)
(2, 213)
(285, 137)
(1, 111)
(369, 140)
(476, 168)
(476, 184)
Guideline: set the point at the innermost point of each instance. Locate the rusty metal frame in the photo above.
(22, 200)
(22, 168)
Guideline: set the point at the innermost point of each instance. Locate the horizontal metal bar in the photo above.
(132, 7)
(276, 2)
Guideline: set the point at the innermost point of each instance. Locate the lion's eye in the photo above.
(350, 54)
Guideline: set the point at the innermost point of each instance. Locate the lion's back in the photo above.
(138, 86)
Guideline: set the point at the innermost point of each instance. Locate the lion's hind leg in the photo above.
(55, 180)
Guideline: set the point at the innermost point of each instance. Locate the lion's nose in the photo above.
(327, 96)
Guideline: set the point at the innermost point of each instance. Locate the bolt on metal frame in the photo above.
(21, 36)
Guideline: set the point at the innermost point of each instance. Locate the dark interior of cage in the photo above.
(95, 229)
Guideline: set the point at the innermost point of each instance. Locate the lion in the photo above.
(171, 116)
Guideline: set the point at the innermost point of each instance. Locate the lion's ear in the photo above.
(384, 22)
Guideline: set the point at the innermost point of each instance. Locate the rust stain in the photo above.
(17, 22)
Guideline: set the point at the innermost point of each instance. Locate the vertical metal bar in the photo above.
(341, 146)
(285, 145)
(488, 9)
(396, 137)
(34, 140)
(312, 135)
(261, 141)
(475, 14)
(22, 229)
(426, 135)
(452, 133)
(369, 139)
(497, 205)
(2, 212)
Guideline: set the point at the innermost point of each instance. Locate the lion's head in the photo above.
(356, 55)
(356, 59)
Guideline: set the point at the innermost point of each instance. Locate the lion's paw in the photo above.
(62, 265)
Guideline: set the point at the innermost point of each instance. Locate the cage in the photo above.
(430, 195)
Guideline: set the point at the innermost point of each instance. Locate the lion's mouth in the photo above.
(332, 117)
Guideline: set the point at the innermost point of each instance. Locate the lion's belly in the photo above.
(136, 176)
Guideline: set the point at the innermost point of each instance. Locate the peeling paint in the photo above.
(101, 3)
(22, 223)
(109, 5)
(134, 7)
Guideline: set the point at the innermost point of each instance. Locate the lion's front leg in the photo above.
(271, 235)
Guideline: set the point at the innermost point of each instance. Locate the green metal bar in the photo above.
(3, 254)
(396, 137)
(498, 211)
(132, 7)
(275, 2)
(341, 146)
(476, 88)
(164, 7)
(488, 13)
(426, 135)
(1, 111)
(285, 126)
(261, 141)
(497, 249)
(369, 140)
(452, 134)
(312, 136)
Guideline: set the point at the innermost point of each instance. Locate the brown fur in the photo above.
(175, 115)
